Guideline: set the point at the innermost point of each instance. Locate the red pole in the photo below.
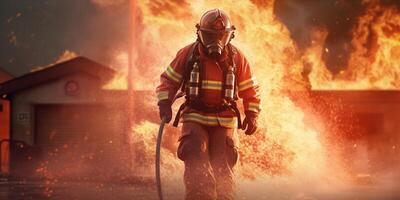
(133, 52)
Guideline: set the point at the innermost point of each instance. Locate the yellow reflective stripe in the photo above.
(206, 120)
(228, 122)
(210, 120)
(244, 85)
(162, 95)
(171, 73)
(201, 121)
(255, 107)
(212, 85)
(205, 117)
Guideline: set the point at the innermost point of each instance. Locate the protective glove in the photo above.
(165, 110)
(250, 122)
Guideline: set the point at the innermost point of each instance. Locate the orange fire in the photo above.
(119, 63)
(373, 63)
(285, 145)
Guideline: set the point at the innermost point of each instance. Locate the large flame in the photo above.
(285, 145)
(292, 146)
(288, 144)
(373, 62)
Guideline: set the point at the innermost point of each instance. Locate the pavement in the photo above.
(145, 189)
(70, 190)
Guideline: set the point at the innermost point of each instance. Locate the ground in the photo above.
(36, 190)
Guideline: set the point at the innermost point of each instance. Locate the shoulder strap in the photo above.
(232, 55)
(190, 58)
(233, 52)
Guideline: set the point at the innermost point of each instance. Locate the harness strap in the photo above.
(192, 56)
(233, 57)
(237, 112)
(197, 105)
(178, 115)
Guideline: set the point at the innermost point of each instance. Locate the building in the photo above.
(4, 122)
(365, 126)
(63, 123)
(4, 76)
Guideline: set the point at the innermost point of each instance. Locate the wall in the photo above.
(22, 106)
(4, 134)
(53, 92)
(4, 126)
(373, 145)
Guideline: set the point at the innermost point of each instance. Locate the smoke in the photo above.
(395, 3)
(339, 18)
(35, 33)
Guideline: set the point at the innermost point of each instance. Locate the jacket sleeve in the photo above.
(171, 78)
(248, 87)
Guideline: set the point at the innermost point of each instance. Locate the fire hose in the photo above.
(158, 155)
(158, 150)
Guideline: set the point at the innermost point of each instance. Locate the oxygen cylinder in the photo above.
(194, 81)
(230, 84)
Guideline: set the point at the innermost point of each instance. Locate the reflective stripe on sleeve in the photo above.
(255, 107)
(244, 85)
(171, 73)
(163, 95)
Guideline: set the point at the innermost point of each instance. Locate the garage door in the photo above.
(83, 136)
(68, 124)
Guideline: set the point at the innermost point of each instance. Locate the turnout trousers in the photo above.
(209, 155)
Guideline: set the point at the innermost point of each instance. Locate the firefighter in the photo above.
(212, 74)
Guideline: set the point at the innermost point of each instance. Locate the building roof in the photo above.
(75, 65)
(4, 76)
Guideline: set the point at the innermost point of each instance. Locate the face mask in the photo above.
(215, 42)
(214, 50)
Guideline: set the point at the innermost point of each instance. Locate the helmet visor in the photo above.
(216, 37)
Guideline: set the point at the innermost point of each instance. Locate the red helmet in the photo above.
(215, 31)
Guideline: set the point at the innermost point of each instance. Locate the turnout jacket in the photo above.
(211, 86)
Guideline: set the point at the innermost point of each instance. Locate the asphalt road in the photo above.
(39, 190)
